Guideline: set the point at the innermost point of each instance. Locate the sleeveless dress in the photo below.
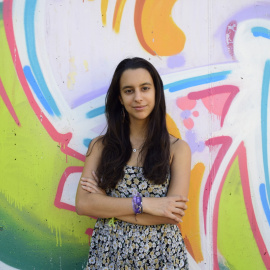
(131, 246)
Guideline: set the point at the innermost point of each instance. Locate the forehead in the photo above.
(134, 77)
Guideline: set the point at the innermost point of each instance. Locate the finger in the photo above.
(95, 176)
(182, 199)
(92, 189)
(86, 184)
(181, 212)
(178, 211)
(181, 205)
(88, 180)
(86, 188)
(173, 217)
(177, 219)
(90, 185)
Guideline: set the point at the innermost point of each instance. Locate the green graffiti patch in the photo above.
(236, 242)
(34, 233)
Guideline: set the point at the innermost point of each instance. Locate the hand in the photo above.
(171, 207)
(91, 185)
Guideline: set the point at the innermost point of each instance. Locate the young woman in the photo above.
(136, 177)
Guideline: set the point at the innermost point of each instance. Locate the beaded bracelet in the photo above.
(137, 204)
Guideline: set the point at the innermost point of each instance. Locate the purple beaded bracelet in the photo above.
(137, 204)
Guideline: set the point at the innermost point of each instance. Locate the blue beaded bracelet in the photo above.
(137, 204)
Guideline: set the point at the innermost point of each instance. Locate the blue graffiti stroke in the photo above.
(264, 202)
(264, 105)
(29, 15)
(31, 80)
(261, 32)
(96, 112)
(199, 80)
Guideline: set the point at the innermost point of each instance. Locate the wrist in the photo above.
(145, 204)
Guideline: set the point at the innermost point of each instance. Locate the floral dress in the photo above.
(131, 246)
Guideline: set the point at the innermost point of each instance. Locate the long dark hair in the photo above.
(116, 141)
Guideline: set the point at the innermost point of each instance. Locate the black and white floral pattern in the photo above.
(130, 246)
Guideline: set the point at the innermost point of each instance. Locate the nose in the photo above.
(138, 96)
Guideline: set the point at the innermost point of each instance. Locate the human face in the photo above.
(137, 93)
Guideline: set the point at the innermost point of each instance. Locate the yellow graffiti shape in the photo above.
(85, 64)
(104, 6)
(190, 227)
(118, 11)
(72, 74)
(71, 80)
(159, 30)
(172, 127)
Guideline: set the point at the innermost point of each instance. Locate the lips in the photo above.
(139, 108)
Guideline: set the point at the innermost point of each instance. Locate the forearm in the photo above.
(103, 206)
(146, 219)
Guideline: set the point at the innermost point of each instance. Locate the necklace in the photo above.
(136, 149)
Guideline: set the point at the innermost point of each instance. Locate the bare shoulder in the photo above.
(96, 146)
(179, 147)
(93, 156)
(180, 168)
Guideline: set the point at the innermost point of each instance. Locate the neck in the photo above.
(138, 131)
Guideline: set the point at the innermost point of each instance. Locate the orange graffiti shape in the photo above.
(155, 28)
(190, 227)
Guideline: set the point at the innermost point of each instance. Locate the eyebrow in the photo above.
(127, 86)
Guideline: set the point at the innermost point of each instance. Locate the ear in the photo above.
(121, 101)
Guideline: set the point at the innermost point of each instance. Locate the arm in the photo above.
(179, 185)
(147, 219)
(98, 204)
(90, 185)
(180, 169)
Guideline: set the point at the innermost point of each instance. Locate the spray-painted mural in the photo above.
(56, 61)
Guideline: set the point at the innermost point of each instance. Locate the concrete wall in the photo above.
(56, 61)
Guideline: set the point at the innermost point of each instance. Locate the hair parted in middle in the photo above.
(116, 141)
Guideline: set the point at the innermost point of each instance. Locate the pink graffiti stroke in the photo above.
(225, 142)
(242, 159)
(229, 89)
(8, 104)
(230, 33)
(63, 139)
(89, 232)
(59, 192)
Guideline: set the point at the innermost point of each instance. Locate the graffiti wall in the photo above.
(56, 62)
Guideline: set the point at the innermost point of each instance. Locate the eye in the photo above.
(145, 88)
(128, 91)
